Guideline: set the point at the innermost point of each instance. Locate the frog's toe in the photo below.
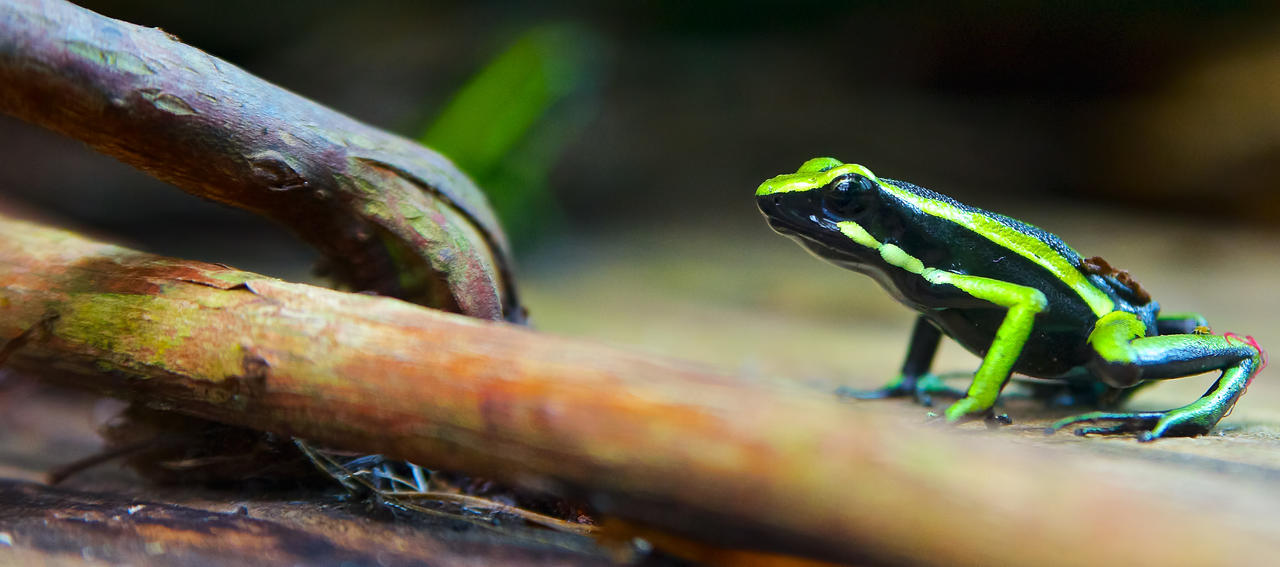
(877, 394)
(1148, 426)
(922, 398)
(922, 389)
(895, 389)
(1133, 422)
(1126, 427)
(1182, 423)
(997, 420)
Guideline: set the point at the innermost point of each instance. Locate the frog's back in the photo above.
(956, 237)
(1093, 281)
(953, 236)
(1030, 239)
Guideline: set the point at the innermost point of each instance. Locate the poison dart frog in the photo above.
(1011, 293)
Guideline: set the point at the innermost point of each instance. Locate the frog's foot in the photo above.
(997, 420)
(969, 409)
(922, 388)
(1149, 425)
(992, 419)
(1122, 355)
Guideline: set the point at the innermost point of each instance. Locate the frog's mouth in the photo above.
(783, 212)
(797, 216)
(801, 217)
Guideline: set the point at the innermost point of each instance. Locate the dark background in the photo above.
(1160, 107)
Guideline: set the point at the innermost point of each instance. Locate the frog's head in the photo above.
(808, 205)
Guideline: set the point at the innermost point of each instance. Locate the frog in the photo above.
(1014, 295)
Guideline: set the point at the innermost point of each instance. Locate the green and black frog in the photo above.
(1011, 293)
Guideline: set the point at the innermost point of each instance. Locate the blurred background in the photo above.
(622, 143)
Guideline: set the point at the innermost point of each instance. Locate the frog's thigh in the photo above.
(1023, 304)
(1124, 356)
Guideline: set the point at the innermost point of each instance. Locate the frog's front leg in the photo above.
(1023, 304)
(914, 380)
(1124, 356)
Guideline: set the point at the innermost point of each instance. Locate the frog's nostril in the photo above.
(777, 201)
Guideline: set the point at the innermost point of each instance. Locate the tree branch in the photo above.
(390, 215)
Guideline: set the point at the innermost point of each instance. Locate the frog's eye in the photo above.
(847, 195)
(865, 184)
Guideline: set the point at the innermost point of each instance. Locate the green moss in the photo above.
(167, 102)
(126, 62)
(360, 185)
(233, 277)
(411, 212)
(120, 322)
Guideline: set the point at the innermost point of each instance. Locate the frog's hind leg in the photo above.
(915, 380)
(1124, 356)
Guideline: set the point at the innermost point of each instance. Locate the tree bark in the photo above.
(389, 215)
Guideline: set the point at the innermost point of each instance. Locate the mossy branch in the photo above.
(388, 214)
